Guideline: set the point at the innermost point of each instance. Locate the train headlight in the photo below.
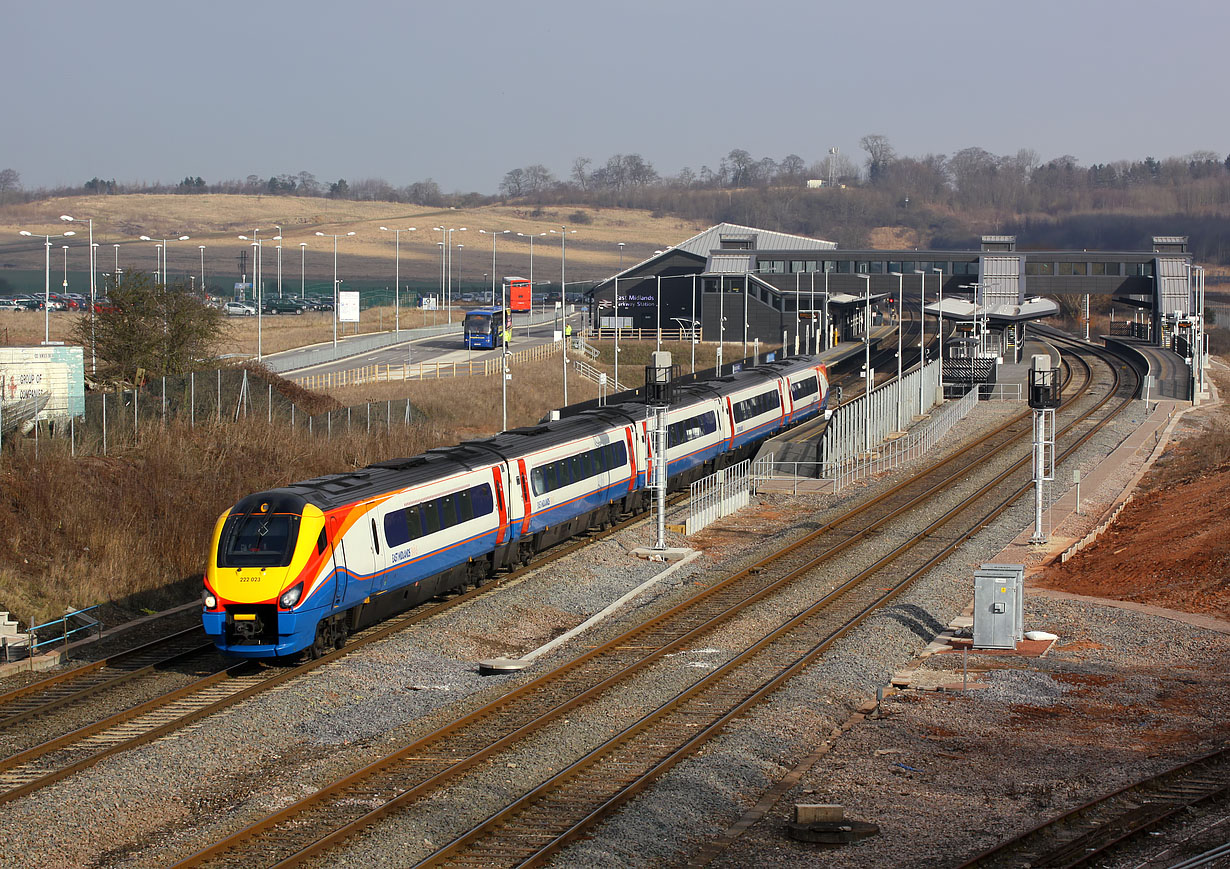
(291, 596)
(210, 600)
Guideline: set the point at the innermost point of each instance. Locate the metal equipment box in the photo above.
(998, 606)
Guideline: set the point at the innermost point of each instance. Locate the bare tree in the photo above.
(10, 180)
(513, 183)
(880, 154)
(580, 172)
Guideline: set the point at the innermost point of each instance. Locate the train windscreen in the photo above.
(258, 540)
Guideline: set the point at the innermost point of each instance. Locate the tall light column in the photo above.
(397, 273)
(278, 239)
(922, 342)
(867, 381)
(47, 237)
(203, 290)
(93, 284)
(563, 299)
(531, 237)
(828, 328)
(302, 270)
(335, 238)
(494, 233)
(939, 324)
(900, 279)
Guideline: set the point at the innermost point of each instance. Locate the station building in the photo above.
(743, 284)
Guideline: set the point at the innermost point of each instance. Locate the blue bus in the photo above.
(483, 326)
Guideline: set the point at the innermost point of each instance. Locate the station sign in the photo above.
(58, 372)
(348, 306)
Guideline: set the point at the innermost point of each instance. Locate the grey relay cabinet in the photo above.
(999, 603)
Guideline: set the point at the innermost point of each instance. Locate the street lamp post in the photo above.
(563, 301)
(531, 236)
(939, 325)
(257, 293)
(335, 238)
(494, 233)
(396, 272)
(922, 308)
(621, 254)
(93, 284)
(47, 237)
(203, 290)
(867, 381)
(278, 239)
(302, 270)
(900, 279)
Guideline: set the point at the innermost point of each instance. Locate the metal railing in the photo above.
(718, 495)
(589, 372)
(357, 345)
(870, 418)
(388, 372)
(82, 622)
(886, 456)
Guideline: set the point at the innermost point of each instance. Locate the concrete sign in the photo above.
(57, 372)
(348, 306)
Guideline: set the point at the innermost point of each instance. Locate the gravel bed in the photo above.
(163, 800)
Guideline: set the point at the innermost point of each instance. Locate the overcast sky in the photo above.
(461, 92)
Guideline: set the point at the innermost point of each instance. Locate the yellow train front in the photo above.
(270, 553)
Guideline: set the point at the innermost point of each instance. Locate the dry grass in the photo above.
(133, 527)
(215, 220)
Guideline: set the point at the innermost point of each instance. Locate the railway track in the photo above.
(75, 748)
(1085, 834)
(604, 779)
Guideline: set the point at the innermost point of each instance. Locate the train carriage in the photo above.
(298, 568)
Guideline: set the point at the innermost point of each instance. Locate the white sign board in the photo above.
(57, 372)
(428, 303)
(348, 306)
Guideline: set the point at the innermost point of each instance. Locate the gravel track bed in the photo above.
(163, 800)
(31, 732)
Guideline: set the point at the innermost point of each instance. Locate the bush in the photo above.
(580, 217)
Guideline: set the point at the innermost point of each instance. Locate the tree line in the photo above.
(939, 197)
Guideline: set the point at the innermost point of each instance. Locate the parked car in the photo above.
(7, 304)
(319, 304)
(283, 306)
(29, 302)
(103, 304)
(239, 309)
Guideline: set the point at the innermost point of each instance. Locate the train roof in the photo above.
(529, 439)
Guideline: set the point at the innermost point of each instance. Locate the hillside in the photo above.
(215, 220)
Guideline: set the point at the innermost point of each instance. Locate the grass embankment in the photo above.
(132, 528)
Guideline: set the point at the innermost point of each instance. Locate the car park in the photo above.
(8, 304)
(239, 309)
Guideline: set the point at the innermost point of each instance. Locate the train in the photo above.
(293, 571)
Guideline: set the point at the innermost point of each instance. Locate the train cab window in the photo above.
(322, 542)
(258, 540)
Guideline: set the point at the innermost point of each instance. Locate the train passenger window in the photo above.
(396, 531)
(448, 511)
(538, 481)
(465, 507)
(803, 388)
(619, 455)
(709, 421)
(414, 522)
(480, 497)
(578, 468)
(430, 511)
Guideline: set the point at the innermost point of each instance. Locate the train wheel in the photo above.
(324, 639)
(340, 635)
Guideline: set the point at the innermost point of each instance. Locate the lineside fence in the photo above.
(769, 475)
(718, 495)
(119, 420)
(389, 373)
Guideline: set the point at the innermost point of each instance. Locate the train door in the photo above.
(340, 576)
